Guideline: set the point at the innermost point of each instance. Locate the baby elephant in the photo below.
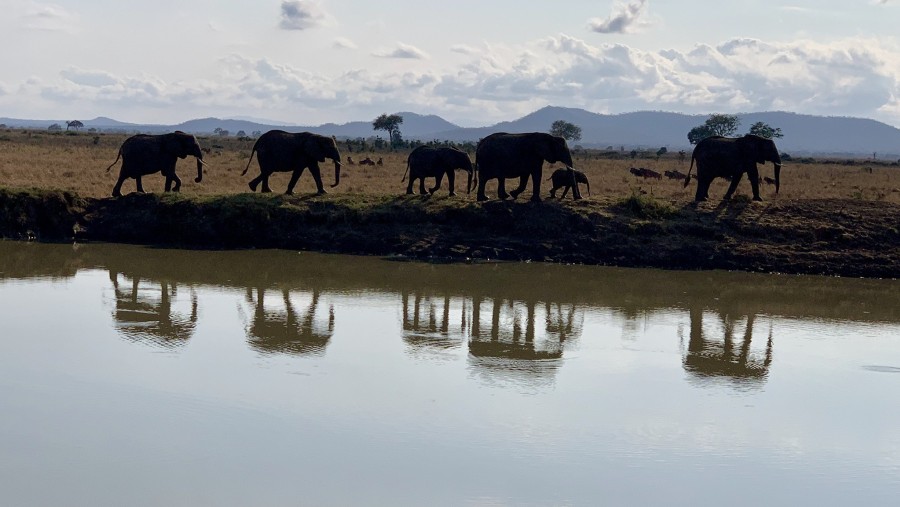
(562, 178)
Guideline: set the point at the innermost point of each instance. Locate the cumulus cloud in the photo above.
(622, 20)
(854, 76)
(301, 14)
(402, 51)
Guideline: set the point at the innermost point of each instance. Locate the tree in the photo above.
(660, 152)
(241, 134)
(765, 130)
(566, 130)
(715, 125)
(390, 124)
(54, 127)
(75, 124)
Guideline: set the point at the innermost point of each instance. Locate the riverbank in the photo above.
(843, 237)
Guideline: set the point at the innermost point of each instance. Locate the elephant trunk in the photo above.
(588, 183)
(469, 182)
(337, 172)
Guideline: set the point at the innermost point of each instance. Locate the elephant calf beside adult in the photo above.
(501, 155)
(280, 151)
(429, 162)
(145, 154)
(730, 158)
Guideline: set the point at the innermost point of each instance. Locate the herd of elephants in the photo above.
(498, 156)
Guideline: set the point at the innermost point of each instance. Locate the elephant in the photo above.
(278, 150)
(144, 154)
(428, 162)
(561, 178)
(504, 155)
(729, 157)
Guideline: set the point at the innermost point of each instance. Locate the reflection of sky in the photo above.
(217, 422)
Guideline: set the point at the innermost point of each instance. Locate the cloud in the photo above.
(301, 15)
(403, 51)
(343, 43)
(621, 21)
(846, 77)
(50, 17)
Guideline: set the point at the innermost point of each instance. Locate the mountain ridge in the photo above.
(803, 133)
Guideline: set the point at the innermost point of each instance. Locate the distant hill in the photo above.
(803, 134)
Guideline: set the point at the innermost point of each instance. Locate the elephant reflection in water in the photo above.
(146, 314)
(708, 358)
(427, 325)
(277, 330)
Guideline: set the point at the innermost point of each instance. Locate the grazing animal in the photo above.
(144, 154)
(675, 175)
(281, 151)
(380, 161)
(649, 173)
(563, 178)
(350, 161)
(367, 161)
(769, 180)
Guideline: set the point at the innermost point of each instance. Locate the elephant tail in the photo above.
(118, 155)
(405, 173)
(248, 162)
(687, 178)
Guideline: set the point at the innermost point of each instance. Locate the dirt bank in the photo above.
(828, 236)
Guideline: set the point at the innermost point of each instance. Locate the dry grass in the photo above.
(78, 162)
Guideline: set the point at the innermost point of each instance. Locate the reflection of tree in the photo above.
(145, 314)
(285, 330)
(708, 358)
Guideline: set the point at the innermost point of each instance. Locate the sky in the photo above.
(472, 62)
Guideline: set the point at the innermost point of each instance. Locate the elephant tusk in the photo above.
(207, 164)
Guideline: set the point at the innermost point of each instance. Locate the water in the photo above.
(140, 376)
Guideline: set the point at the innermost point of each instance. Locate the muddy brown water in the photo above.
(142, 376)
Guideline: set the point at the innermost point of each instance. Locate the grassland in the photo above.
(78, 163)
(832, 217)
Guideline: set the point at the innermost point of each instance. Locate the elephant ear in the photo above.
(313, 148)
(544, 147)
(174, 146)
(753, 147)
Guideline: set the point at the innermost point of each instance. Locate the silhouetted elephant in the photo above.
(287, 331)
(563, 178)
(500, 156)
(729, 157)
(280, 151)
(144, 154)
(145, 314)
(429, 162)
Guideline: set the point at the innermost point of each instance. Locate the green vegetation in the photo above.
(566, 130)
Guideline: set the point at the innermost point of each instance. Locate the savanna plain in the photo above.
(832, 216)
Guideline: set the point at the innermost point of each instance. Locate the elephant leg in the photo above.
(422, 190)
(535, 184)
(438, 179)
(523, 181)
(409, 186)
(177, 187)
(295, 176)
(117, 189)
(480, 195)
(265, 183)
(451, 180)
(140, 186)
(255, 182)
(553, 191)
(317, 177)
(733, 186)
(501, 188)
(703, 183)
(168, 187)
(565, 192)
(753, 174)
